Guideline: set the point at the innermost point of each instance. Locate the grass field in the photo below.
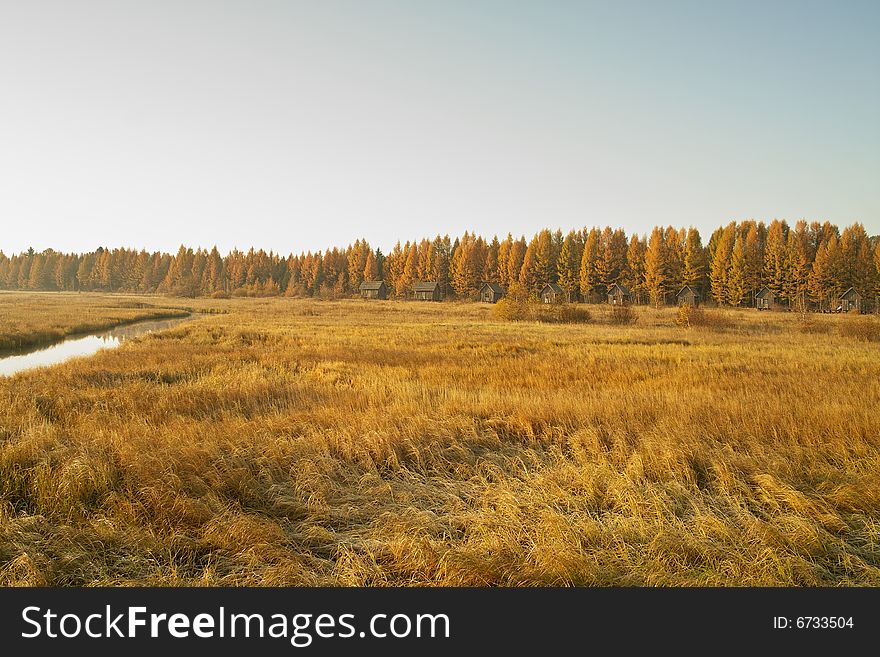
(33, 319)
(291, 442)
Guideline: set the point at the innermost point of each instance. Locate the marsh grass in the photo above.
(623, 315)
(351, 443)
(41, 318)
(519, 310)
(865, 328)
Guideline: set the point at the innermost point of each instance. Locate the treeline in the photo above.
(812, 262)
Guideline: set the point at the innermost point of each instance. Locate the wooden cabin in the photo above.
(427, 291)
(688, 296)
(374, 290)
(851, 301)
(765, 299)
(491, 292)
(618, 295)
(552, 293)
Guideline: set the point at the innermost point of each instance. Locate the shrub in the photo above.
(866, 329)
(697, 317)
(510, 309)
(220, 294)
(689, 316)
(560, 313)
(810, 325)
(622, 315)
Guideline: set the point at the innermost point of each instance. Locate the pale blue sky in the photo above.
(297, 125)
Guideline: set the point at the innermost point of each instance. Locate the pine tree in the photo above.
(611, 259)
(466, 268)
(530, 277)
(442, 248)
(635, 267)
(797, 263)
(774, 258)
(356, 258)
(503, 256)
(371, 269)
(424, 261)
(410, 269)
(515, 260)
(567, 266)
(720, 266)
(35, 275)
(754, 257)
(396, 262)
(490, 268)
(736, 274)
(675, 254)
(822, 283)
(877, 272)
(546, 256)
(589, 277)
(656, 277)
(856, 259)
(694, 260)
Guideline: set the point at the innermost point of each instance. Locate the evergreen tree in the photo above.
(567, 266)
(371, 268)
(515, 260)
(635, 267)
(490, 269)
(694, 260)
(675, 256)
(774, 258)
(410, 269)
(656, 276)
(736, 275)
(720, 266)
(589, 275)
(503, 256)
(531, 277)
(754, 257)
(545, 258)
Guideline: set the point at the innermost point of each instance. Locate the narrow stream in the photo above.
(82, 345)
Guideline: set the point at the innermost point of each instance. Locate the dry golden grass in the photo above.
(354, 443)
(40, 317)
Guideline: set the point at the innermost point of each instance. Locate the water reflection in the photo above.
(79, 346)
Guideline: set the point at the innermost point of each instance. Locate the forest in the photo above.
(809, 264)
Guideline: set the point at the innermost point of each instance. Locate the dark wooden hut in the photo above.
(765, 299)
(552, 293)
(851, 301)
(491, 292)
(618, 295)
(688, 296)
(427, 291)
(374, 290)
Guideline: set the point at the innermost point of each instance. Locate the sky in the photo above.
(291, 126)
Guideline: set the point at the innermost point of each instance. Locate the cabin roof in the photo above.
(372, 285)
(425, 286)
(497, 289)
(764, 292)
(621, 288)
(553, 287)
(688, 288)
(850, 293)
